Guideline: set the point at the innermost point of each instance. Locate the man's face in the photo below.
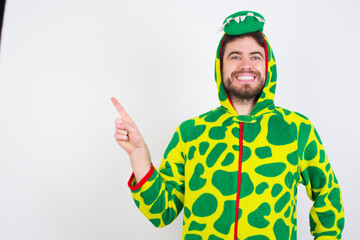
(243, 70)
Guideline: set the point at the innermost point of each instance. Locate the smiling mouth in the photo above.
(245, 78)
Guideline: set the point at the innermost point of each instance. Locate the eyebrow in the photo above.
(252, 53)
(234, 52)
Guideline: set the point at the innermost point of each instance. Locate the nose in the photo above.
(245, 65)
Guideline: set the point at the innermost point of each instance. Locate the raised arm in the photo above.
(159, 195)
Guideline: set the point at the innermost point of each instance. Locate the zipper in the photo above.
(241, 125)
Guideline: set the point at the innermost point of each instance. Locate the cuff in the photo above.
(136, 186)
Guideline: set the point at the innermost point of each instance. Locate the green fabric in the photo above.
(249, 23)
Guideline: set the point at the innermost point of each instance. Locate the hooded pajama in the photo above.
(236, 176)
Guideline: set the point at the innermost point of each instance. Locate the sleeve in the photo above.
(160, 194)
(327, 213)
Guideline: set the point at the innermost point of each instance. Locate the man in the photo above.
(235, 169)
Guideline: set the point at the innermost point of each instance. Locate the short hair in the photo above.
(258, 36)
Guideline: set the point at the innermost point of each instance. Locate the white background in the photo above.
(62, 175)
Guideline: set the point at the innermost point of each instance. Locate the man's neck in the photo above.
(242, 106)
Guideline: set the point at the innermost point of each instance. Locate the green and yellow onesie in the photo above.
(237, 176)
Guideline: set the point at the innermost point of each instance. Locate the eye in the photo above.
(256, 58)
(235, 57)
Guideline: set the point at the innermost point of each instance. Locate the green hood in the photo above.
(236, 24)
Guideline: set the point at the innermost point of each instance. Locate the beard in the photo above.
(246, 92)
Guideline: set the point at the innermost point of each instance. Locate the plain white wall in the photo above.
(62, 175)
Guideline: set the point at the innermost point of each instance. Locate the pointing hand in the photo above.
(129, 138)
(127, 134)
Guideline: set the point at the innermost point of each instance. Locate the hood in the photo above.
(240, 23)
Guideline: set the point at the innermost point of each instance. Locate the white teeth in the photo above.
(229, 19)
(245, 78)
(259, 19)
(242, 18)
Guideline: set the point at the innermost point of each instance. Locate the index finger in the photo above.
(121, 110)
